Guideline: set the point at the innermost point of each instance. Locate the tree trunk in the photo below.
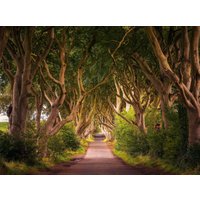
(19, 106)
(46, 128)
(81, 127)
(164, 117)
(194, 127)
(19, 113)
(22, 85)
(128, 106)
(140, 120)
(4, 35)
(43, 146)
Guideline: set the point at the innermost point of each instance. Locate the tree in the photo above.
(70, 84)
(20, 49)
(189, 73)
(136, 92)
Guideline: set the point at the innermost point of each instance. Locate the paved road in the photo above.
(99, 160)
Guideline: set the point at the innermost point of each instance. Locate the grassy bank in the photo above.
(148, 161)
(19, 168)
(4, 126)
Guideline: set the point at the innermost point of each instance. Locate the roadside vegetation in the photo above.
(22, 157)
(164, 149)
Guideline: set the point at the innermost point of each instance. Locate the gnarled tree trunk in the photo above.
(189, 93)
(21, 87)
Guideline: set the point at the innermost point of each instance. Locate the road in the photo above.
(99, 160)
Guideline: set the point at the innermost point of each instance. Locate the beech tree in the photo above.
(89, 74)
(20, 49)
(142, 55)
(136, 92)
(71, 84)
(187, 81)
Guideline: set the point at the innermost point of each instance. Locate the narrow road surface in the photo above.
(99, 160)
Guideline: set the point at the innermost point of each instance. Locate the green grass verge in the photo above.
(4, 126)
(19, 168)
(146, 161)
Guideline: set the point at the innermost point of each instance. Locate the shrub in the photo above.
(156, 140)
(192, 157)
(12, 149)
(183, 123)
(172, 145)
(128, 137)
(153, 117)
(66, 139)
(56, 145)
(173, 141)
(69, 138)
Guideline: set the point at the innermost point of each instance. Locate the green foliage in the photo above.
(192, 157)
(69, 137)
(172, 145)
(155, 165)
(12, 149)
(156, 141)
(56, 145)
(173, 140)
(153, 117)
(5, 97)
(167, 144)
(155, 138)
(128, 137)
(183, 123)
(66, 139)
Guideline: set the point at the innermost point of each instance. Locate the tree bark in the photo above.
(20, 49)
(21, 88)
(164, 116)
(140, 121)
(190, 97)
(4, 35)
(194, 127)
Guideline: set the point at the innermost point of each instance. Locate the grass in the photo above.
(149, 161)
(146, 161)
(4, 126)
(20, 168)
(89, 139)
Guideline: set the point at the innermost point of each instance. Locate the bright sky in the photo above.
(3, 118)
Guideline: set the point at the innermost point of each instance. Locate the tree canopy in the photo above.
(92, 75)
